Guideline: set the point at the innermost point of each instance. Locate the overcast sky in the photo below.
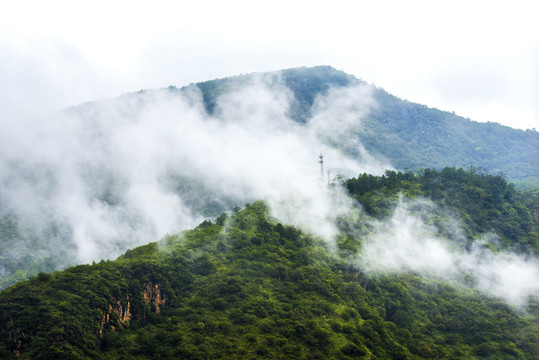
(477, 58)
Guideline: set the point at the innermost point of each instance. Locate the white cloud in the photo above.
(406, 242)
(125, 46)
(107, 171)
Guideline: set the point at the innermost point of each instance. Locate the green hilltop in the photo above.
(246, 286)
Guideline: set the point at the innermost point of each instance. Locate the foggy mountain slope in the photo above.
(304, 83)
(392, 265)
(91, 181)
(425, 137)
(248, 286)
(99, 178)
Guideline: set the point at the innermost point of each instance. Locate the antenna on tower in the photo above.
(321, 161)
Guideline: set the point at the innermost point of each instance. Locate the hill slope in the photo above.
(250, 287)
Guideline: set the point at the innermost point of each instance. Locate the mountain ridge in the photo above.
(426, 137)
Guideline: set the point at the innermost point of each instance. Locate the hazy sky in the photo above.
(477, 58)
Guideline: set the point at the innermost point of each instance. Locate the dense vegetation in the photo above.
(484, 203)
(429, 138)
(246, 286)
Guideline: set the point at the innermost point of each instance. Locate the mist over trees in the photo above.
(248, 286)
(425, 137)
(484, 203)
(420, 241)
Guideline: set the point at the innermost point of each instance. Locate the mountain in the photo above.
(248, 286)
(96, 179)
(411, 136)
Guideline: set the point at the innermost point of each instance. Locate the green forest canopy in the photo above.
(247, 286)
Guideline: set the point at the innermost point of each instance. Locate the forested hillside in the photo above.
(246, 286)
(414, 136)
(484, 203)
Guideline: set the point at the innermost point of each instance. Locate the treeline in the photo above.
(246, 286)
(484, 203)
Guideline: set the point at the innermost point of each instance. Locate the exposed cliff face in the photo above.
(119, 313)
(16, 338)
(104, 321)
(154, 297)
(122, 310)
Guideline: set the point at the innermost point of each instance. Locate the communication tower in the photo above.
(321, 161)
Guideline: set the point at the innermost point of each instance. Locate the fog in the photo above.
(102, 177)
(408, 241)
(91, 181)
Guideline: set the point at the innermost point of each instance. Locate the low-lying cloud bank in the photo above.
(105, 176)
